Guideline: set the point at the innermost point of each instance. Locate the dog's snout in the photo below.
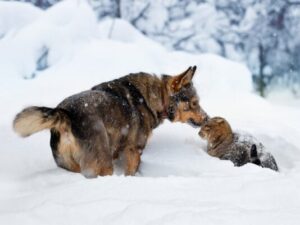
(206, 118)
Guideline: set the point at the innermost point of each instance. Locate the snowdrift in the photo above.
(48, 55)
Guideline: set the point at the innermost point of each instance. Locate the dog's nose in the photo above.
(206, 118)
(201, 134)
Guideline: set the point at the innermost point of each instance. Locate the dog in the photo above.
(90, 129)
(240, 149)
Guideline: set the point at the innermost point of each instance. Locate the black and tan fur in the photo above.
(90, 129)
(223, 143)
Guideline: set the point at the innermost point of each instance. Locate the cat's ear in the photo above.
(220, 120)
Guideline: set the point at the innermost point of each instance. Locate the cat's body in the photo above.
(239, 148)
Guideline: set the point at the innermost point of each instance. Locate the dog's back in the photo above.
(139, 94)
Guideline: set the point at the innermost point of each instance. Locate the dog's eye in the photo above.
(194, 104)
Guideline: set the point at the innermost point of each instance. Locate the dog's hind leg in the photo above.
(93, 165)
(132, 160)
(97, 158)
(65, 149)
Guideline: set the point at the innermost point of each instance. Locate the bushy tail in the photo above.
(34, 119)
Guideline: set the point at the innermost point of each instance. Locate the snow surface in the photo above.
(15, 15)
(178, 183)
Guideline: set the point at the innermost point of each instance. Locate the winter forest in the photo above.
(261, 33)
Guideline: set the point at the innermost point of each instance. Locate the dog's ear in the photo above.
(183, 79)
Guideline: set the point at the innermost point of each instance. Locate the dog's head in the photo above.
(182, 99)
(215, 130)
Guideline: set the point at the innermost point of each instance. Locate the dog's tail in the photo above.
(34, 119)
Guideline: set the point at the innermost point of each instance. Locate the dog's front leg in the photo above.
(132, 160)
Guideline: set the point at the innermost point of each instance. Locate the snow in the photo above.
(178, 183)
(23, 14)
(51, 31)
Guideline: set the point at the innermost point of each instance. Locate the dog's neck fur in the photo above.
(157, 93)
(165, 97)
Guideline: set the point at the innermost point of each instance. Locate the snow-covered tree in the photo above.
(44, 4)
(260, 33)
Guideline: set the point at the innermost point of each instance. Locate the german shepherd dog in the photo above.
(90, 129)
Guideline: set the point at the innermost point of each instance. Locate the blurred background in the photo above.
(263, 34)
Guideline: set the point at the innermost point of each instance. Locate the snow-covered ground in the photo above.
(178, 183)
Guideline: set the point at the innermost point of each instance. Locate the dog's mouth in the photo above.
(193, 123)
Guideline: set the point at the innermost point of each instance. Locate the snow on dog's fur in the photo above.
(87, 129)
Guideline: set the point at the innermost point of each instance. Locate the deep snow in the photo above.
(178, 183)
